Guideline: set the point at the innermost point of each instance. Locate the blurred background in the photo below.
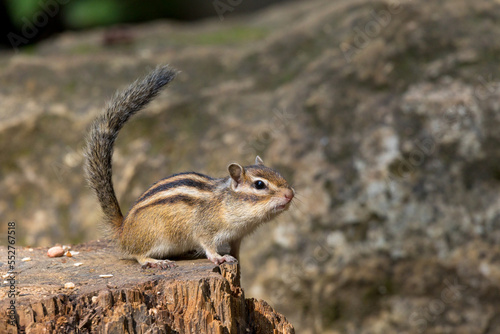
(84, 14)
(384, 116)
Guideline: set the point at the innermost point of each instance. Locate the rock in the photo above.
(195, 297)
(384, 116)
(69, 285)
(56, 251)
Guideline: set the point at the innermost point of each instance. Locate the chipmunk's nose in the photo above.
(289, 193)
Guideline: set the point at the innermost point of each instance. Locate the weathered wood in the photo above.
(195, 297)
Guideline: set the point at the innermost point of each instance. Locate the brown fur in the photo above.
(184, 212)
(104, 130)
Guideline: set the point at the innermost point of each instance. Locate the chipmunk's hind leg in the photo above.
(147, 262)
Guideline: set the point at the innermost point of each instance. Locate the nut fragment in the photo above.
(56, 251)
(69, 285)
(106, 276)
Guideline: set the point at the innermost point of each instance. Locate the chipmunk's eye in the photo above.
(259, 185)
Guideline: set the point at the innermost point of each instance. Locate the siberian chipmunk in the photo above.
(186, 211)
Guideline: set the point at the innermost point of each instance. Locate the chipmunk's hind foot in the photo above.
(154, 263)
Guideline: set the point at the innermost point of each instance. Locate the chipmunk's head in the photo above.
(263, 192)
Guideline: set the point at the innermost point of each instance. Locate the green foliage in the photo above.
(22, 8)
(83, 14)
(80, 14)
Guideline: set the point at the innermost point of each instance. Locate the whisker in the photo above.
(298, 199)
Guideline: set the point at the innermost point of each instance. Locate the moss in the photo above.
(20, 202)
(30, 50)
(70, 87)
(235, 35)
(84, 49)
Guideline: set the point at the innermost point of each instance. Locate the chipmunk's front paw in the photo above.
(222, 259)
(159, 264)
(229, 259)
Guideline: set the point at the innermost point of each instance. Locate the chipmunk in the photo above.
(183, 212)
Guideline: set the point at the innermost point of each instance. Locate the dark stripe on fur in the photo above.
(165, 185)
(103, 133)
(267, 173)
(251, 197)
(189, 200)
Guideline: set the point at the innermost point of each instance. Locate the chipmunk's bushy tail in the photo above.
(104, 130)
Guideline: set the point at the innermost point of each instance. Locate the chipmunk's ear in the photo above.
(258, 161)
(237, 173)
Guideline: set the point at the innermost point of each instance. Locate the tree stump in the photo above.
(109, 294)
